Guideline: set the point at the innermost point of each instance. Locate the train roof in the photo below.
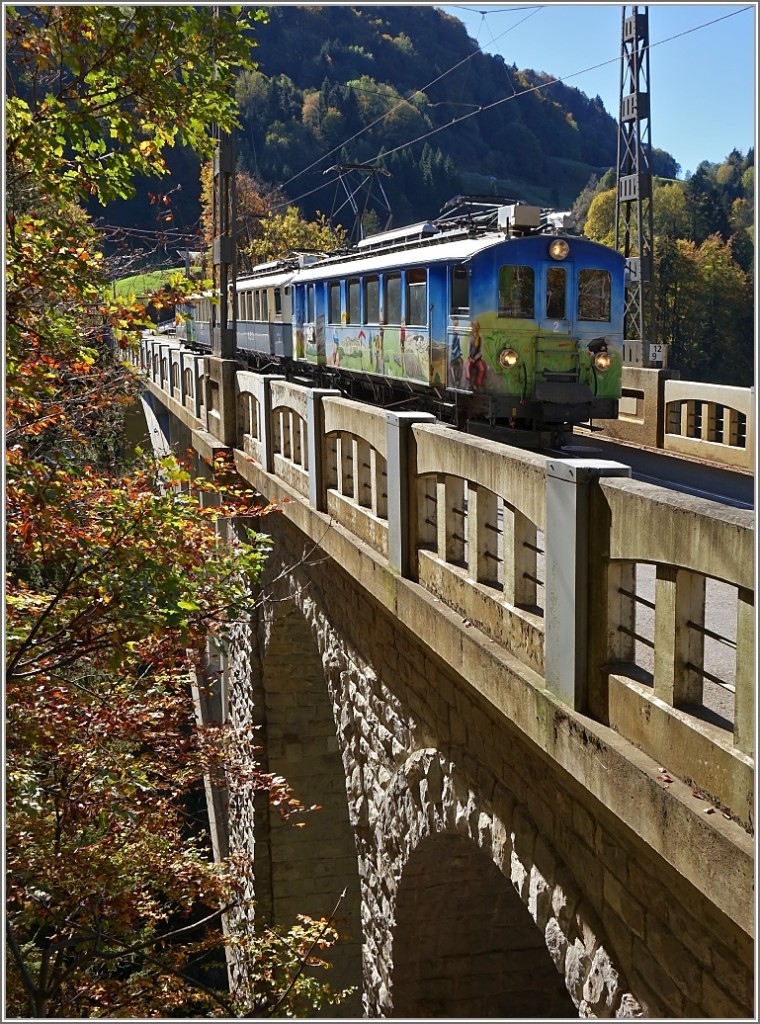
(364, 262)
(273, 275)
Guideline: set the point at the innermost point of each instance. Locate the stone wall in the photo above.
(486, 872)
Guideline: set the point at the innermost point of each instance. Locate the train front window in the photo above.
(354, 302)
(556, 291)
(334, 296)
(371, 300)
(516, 292)
(460, 290)
(393, 299)
(416, 298)
(594, 295)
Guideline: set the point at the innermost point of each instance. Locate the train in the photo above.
(493, 316)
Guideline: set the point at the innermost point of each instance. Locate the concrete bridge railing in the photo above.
(711, 422)
(492, 672)
(543, 555)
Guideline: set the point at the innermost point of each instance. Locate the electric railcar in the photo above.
(494, 321)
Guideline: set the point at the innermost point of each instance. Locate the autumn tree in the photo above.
(703, 260)
(115, 576)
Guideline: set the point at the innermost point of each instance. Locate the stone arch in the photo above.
(430, 808)
(303, 870)
(464, 943)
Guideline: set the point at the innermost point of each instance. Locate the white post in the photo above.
(566, 622)
(402, 514)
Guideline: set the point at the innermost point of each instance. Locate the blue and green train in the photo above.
(502, 320)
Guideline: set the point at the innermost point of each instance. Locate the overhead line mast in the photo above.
(220, 398)
(634, 229)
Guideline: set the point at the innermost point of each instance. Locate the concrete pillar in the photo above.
(221, 399)
(519, 566)
(262, 389)
(403, 515)
(315, 420)
(482, 534)
(450, 519)
(567, 583)
(679, 600)
(157, 419)
(744, 698)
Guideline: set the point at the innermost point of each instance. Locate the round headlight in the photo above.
(508, 358)
(602, 361)
(559, 249)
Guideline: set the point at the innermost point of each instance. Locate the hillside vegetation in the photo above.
(341, 85)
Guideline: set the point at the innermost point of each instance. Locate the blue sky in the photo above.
(702, 79)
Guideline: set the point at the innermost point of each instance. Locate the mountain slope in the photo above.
(344, 85)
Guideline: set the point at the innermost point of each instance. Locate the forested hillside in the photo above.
(338, 85)
(405, 90)
(342, 85)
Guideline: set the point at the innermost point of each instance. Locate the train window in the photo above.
(309, 303)
(371, 300)
(516, 291)
(460, 290)
(556, 289)
(353, 294)
(393, 299)
(334, 296)
(257, 305)
(594, 295)
(416, 297)
(278, 302)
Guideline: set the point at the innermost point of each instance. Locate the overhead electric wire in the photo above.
(387, 113)
(490, 106)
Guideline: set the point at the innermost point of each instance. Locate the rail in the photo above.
(571, 566)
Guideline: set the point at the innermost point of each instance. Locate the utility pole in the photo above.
(634, 230)
(224, 220)
(221, 365)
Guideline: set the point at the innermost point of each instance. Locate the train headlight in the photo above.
(508, 358)
(559, 249)
(602, 361)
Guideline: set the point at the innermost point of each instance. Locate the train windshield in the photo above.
(516, 291)
(594, 291)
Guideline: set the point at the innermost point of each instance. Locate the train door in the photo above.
(437, 298)
(556, 351)
(458, 326)
(285, 348)
(275, 320)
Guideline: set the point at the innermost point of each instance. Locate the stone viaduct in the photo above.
(534, 810)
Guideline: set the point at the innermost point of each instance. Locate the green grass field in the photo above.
(141, 285)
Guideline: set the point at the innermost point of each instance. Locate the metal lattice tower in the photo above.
(634, 231)
(367, 174)
(224, 317)
(224, 246)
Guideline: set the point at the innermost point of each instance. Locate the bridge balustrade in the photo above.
(288, 432)
(548, 558)
(661, 706)
(710, 421)
(480, 535)
(356, 477)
